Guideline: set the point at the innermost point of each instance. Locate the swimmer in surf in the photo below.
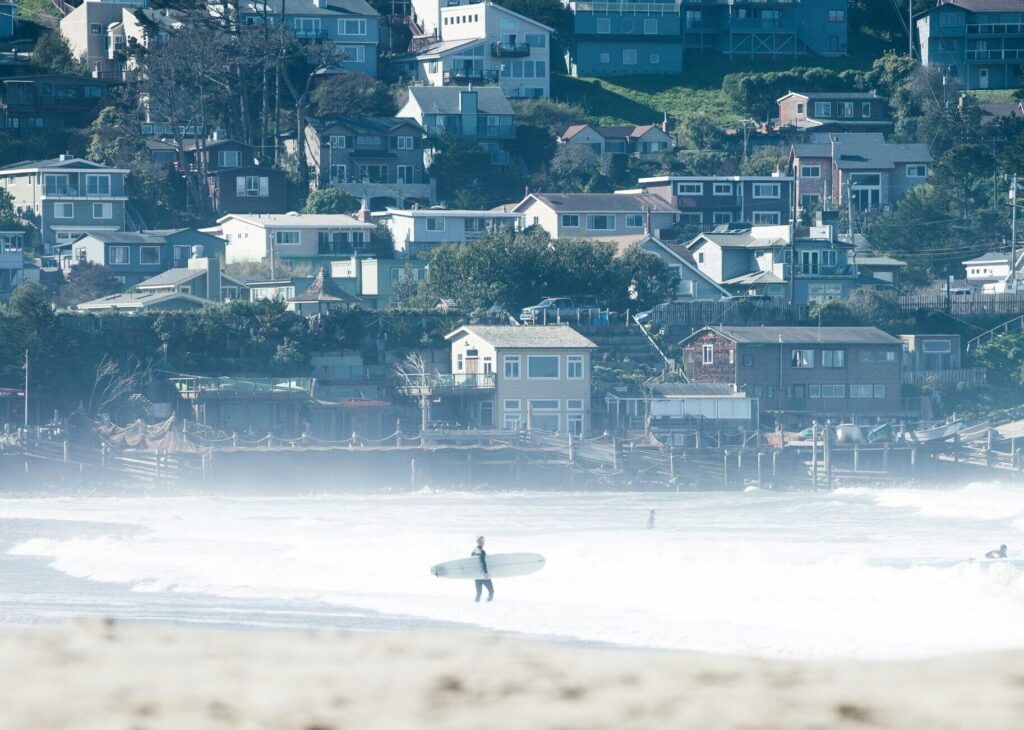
(1000, 553)
(650, 520)
(484, 582)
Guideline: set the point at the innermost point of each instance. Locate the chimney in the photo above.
(319, 3)
(664, 123)
(364, 211)
(468, 107)
(210, 264)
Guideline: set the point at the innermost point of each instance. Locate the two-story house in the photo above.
(418, 231)
(482, 114)
(481, 42)
(705, 202)
(643, 141)
(236, 180)
(8, 18)
(200, 283)
(135, 257)
(294, 238)
(597, 216)
(803, 373)
(991, 272)
(15, 269)
(68, 196)
(512, 378)
(95, 33)
(379, 159)
(50, 101)
(620, 38)
(693, 284)
(862, 170)
(978, 42)
(834, 112)
(351, 27)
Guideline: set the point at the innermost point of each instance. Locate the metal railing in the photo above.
(463, 75)
(969, 376)
(996, 54)
(464, 381)
(242, 387)
(510, 50)
(629, 8)
(995, 28)
(73, 192)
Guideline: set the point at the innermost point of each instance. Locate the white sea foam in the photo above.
(854, 572)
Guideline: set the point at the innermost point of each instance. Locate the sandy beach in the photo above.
(99, 675)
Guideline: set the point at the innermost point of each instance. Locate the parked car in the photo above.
(552, 309)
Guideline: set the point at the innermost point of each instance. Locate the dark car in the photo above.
(552, 309)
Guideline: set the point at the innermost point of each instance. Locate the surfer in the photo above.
(1000, 553)
(650, 520)
(484, 582)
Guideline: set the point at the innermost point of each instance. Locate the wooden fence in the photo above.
(979, 305)
(739, 312)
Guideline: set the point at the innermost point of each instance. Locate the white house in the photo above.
(291, 237)
(622, 217)
(991, 272)
(480, 42)
(420, 230)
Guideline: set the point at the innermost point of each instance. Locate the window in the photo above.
(766, 190)
(878, 356)
(542, 367)
(435, 224)
(95, 28)
(709, 354)
(732, 357)
(181, 255)
(149, 255)
(252, 186)
(601, 222)
(808, 200)
(405, 143)
(823, 108)
(406, 174)
(844, 108)
(951, 19)
(606, 58)
(97, 184)
(690, 188)
(513, 422)
(833, 391)
(56, 184)
(765, 218)
(337, 141)
(117, 255)
(353, 53)
(286, 238)
(802, 358)
(574, 404)
(635, 220)
(917, 170)
(650, 26)
(368, 140)
(574, 424)
(865, 109)
(800, 108)
(604, 25)
(511, 367)
(64, 210)
(103, 211)
(352, 27)
(228, 158)
(810, 170)
(570, 221)
(748, 360)
(862, 391)
(544, 405)
(722, 188)
(536, 40)
(654, 59)
(339, 173)
(833, 358)
(629, 57)
(512, 404)
(880, 391)
(837, 16)
(574, 367)
(937, 346)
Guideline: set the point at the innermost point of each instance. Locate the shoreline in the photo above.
(111, 675)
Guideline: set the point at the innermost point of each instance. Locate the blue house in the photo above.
(352, 26)
(980, 42)
(8, 18)
(135, 257)
(614, 39)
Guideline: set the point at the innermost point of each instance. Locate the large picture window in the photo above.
(542, 367)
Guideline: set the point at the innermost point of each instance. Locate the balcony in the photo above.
(1002, 29)
(310, 34)
(996, 54)
(623, 7)
(69, 191)
(510, 50)
(461, 76)
(463, 382)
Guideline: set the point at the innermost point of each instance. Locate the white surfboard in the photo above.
(499, 565)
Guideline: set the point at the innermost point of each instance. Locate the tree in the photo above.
(382, 243)
(575, 168)
(702, 132)
(467, 179)
(53, 54)
(352, 94)
(554, 116)
(764, 161)
(87, 281)
(331, 201)
(648, 280)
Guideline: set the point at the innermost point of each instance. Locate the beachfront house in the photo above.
(420, 230)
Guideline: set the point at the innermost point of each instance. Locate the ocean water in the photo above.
(855, 572)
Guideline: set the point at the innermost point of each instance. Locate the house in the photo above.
(420, 230)
(677, 413)
(321, 296)
(481, 114)
(862, 170)
(803, 373)
(135, 257)
(68, 196)
(8, 18)
(834, 112)
(694, 284)
(991, 272)
(200, 284)
(249, 189)
(15, 269)
(705, 202)
(292, 238)
(50, 101)
(513, 377)
(481, 42)
(978, 42)
(351, 27)
(379, 159)
(614, 39)
(95, 33)
(597, 216)
(643, 141)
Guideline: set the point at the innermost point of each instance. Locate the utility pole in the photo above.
(26, 389)
(1013, 234)
(910, 28)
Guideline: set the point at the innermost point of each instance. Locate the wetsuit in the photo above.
(483, 583)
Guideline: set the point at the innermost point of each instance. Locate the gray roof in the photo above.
(57, 162)
(739, 239)
(835, 95)
(171, 277)
(445, 99)
(368, 125)
(440, 47)
(309, 7)
(992, 257)
(805, 335)
(141, 237)
(323, 289)
(525, 337)
(604, 202)
(754, 277)
(870, 151)
(139, 300)
(870, 261)
(984, 6)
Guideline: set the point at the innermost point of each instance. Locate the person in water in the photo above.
(484, 582)
(650, 520)
(1000, 553)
